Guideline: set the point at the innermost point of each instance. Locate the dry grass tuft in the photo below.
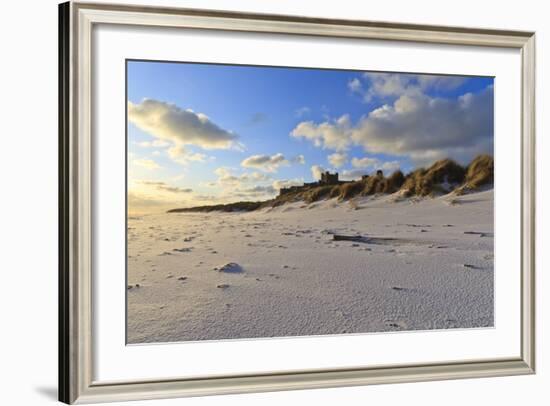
(335, 192)
(479, 173)
(350, 190)
(317, 193)
(372, 185)
(391, 184)
(427, 182)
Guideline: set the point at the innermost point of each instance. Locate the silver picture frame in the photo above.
(76, 353)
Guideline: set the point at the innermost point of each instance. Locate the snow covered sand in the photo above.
(425, 264)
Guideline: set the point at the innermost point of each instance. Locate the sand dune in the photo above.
(413, 264)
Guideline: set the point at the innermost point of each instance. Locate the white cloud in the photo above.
(178, 153)
(368, 165)
(374, 163)
(153, 144)
(440, 82)
(416, 125)
(337, 159)
(331, 134)
(226, 178)
(245, 186)
(222, 171)
(390, 166)
(355, 85)
(376, 85)
(255, 177)
(278, 184)
(353, 174)
(316, 171)
(168, 122)
(146, 163)
(265, 162)
(386, 84)
(365, 162)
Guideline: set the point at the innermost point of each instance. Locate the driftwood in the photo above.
(373, 240)
(480, 233)
(356, 238)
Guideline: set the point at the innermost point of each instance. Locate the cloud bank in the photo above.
(375, 85)
(227, 179)
(163, 186)
(415, 125)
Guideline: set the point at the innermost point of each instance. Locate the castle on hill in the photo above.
(327, 178)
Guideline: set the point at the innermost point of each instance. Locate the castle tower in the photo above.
(328, 178)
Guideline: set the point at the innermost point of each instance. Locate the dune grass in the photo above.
(349, 190)
(443, 177)
(427, 182)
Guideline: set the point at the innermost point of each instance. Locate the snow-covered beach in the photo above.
(422, 263)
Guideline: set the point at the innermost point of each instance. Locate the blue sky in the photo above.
(201, 133)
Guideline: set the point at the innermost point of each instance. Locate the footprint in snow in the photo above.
(395, 324)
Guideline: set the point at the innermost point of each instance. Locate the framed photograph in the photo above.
(263, 202)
